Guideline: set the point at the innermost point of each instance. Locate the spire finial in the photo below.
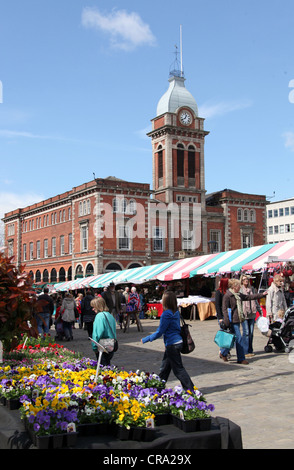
(176, 69)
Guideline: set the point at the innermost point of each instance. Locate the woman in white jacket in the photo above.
(275, 300)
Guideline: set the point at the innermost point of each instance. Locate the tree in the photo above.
(17, 303)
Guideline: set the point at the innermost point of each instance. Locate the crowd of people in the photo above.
(236, 301)
(237, 307)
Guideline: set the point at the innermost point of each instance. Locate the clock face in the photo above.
(185, 118)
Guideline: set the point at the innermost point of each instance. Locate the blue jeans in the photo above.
(172, 360)
(43, 323)
(67, 328)
(235, 327)
(248, 328)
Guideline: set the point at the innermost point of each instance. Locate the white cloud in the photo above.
(10, 201)
(127, 30)
(11, 134)
(289, 140)
(210, 110)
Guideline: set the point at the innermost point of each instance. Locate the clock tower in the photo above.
(178, 137)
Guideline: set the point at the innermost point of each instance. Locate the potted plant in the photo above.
(190, 412)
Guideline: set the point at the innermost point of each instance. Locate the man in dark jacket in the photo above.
(113, 302)
(45, 309)
(88, 314)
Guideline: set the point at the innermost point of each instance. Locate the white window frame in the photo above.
(31, 250)
(124, 239)
(46, 248)
(70, 243)
(158, 239)
(84, 232)
(53, 246)
(187, 239)
(61, 245)
(38, 249)
(215, 236)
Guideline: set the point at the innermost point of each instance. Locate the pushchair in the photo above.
(282, 333)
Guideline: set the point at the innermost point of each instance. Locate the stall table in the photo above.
(206, 307)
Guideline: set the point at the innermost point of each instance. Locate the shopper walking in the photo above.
(170, 329)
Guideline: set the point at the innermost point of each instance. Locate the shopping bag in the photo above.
(188, 343)
(225, 339)
(262, 324)
(110, 344)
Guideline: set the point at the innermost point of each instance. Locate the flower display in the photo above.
(60, 393)
(189, 405)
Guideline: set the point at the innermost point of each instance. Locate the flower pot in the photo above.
(122, 433)
(71, 439)
(13, 403)
(3, 401)
(161, 419)
(204, 424)
(91, 429)
(43, 442)
(137, 433)
(57, 440)
(192, 425)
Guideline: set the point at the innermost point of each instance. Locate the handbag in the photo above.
(110, 344)
(225, 339)
(188, 343)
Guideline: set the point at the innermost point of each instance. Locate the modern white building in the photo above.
(280, 221)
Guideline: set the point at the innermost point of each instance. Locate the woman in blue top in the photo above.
(170, 328)
(104, 327)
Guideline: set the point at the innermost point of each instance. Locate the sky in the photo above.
(80, 82)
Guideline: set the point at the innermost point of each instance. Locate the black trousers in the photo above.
(172, 361)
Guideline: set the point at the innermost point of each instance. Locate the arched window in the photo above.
(180, 161)
(246, 215)
(69, 274)
(80, 208)
(115, 205)
(160, 165)
(124, 205)
(112, 267)
(132, 206)
(79, 271)
(38, 276)
(89, 270)
(239, 215)
(88, 206)
(45, 276)
(53, 276)
(62, 275)
(252, 215)
(191, 163)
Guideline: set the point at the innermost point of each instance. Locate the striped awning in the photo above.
(104, 279)
(182, 268)
(278, 253)
(144, 273)
(230, 261)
